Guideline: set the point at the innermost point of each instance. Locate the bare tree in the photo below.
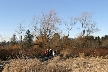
(46, 25)
(20, 32)
(69, 25)
(35, 26)
(88, 25)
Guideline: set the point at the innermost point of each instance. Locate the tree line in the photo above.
(45, 33)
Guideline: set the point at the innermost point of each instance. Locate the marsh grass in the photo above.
(86, 64)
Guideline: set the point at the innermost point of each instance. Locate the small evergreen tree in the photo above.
(28, 39)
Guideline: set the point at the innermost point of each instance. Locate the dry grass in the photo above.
(57, 64)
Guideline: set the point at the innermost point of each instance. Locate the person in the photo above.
(47, 53)
(54, 53)
(50, 52)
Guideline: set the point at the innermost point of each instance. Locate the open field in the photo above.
(58, 64)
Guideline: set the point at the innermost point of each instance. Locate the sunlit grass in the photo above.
(80, 64)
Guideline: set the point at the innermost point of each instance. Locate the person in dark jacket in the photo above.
(50, 52)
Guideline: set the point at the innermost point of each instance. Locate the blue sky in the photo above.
(14, 12)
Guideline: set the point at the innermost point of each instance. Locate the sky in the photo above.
(14, 12)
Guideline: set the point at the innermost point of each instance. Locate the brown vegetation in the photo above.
(90, 64)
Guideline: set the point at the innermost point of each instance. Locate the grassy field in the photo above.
(58, 64)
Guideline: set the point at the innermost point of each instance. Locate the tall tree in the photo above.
(69, 25)
(20, 32)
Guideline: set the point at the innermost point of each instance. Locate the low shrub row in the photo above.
(6, 54)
